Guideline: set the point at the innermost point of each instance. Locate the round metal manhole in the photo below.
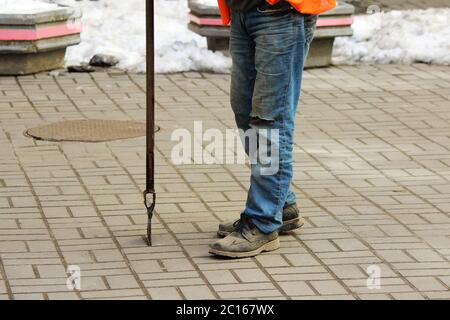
(88, 130)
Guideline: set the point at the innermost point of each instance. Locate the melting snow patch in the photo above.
(397, 37)
(117, 27)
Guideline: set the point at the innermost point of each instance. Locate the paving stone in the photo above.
(41, 246)
(320, 245)
(301, 259)
(426, 284)
(348, 272)
(109, 294)
(328, 287)
(107, 255)
(173, 282)
(395, 256)
(122, 282)
(296, 288)
(437, 295)
(20, 202)
(221, 276)
(20, 272)
(272, 261)
(83, 211)
(249, 294)
(197, 292)
(3, 289)
(331, 297)
(55, 212)
(52, 271)
(161, 293)
(407, 296)
(176, 265)
(146, 266)
(424, 255)
(63, 296)
(375, 296)
(12, 246)
(29, 296)
(349, 244)
(251, 275)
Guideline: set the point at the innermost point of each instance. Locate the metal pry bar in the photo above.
(150, 117)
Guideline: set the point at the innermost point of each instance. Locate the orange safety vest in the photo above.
(302, 6)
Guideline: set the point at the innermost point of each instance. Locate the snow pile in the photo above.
(208, 2)
(117, 27)
(24, 6)
(397, 37)
(179, 49)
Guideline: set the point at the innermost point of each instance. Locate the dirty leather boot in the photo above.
(245, 241)
(291, 221)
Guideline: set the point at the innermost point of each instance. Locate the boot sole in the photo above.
(287, 226)
(269, 246)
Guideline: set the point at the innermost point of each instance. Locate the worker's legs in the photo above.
(268, 51)
(243, 76)
(280, 41)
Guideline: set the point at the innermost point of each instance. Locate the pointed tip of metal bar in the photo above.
(149, 232)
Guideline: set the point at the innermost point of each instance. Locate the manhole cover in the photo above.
(88, 130)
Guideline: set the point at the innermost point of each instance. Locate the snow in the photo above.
(117, 27)
(397, 37)
(24, 6)
(207, 2)
(179, 49)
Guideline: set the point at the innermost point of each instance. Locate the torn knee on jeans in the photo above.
(260, 122)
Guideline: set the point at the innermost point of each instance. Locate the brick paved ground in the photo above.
(372, 160)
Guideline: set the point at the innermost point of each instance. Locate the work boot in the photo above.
(245, 241)
(291, 221)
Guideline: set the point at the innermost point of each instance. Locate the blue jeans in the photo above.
(268, 47)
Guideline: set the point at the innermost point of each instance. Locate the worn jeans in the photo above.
(268, 46)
